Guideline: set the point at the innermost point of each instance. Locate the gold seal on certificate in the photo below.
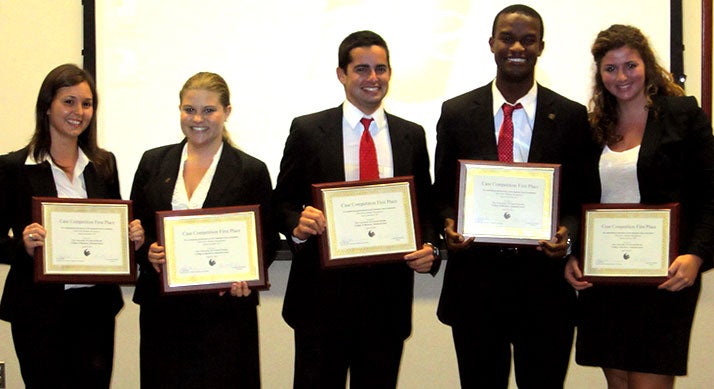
(508, 203)
(628, 243)
(211, 248)
(367, 221)
(87, 241)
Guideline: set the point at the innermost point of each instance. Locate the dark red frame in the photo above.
(674, 209)
(260, 284)
(39, 274)
(324, 249)
(515, 165)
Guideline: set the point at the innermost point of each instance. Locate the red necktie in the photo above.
(505, 135)
(368, 167)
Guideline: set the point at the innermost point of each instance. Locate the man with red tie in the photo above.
(503, 300)
(351, 319)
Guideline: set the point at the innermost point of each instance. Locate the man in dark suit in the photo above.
(501, 299)
(353, 318)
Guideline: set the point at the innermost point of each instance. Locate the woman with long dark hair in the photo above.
(63, 334)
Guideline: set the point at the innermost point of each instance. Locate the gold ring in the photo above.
(31, 237)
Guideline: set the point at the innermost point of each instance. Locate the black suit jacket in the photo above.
(465, 130)
(22, 298)
(382, 293)
(240, 179)
(675, 164)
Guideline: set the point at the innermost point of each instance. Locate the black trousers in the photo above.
(324, 356)
(73, 349)
(521, 309)
(484, 356)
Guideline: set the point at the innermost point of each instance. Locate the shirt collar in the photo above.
(528, 101)
(352, 115)
(79, 166)
(82, 160)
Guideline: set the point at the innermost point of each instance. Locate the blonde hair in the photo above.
(214, 83)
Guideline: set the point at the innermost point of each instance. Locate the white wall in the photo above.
(39, 34)
(279, 59)
(32, 44)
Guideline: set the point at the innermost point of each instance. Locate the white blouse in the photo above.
(180, 200)
(618, 176)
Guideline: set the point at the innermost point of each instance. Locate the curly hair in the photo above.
(603, 105)
(63, 76)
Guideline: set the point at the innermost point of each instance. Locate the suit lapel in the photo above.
(331, 146)
(96, 189)
(400, 144)
(543, 126)
(226, 172)
(650, 140)
(41, 180)
(91, 181)
(484, 141)
(168, 172)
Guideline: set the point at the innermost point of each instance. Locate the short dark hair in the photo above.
(359, 39)
(519, 9)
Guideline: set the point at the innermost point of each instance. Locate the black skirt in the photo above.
(636, 328)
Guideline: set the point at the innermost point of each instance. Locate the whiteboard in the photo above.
(279, 59)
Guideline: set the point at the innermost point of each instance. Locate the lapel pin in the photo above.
(551, 116)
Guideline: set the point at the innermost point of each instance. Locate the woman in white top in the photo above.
(653, 146)
(63, 334)
(207, 340)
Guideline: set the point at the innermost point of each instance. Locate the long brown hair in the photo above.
(658, 81)
(60, 77)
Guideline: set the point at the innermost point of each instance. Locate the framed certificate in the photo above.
(368, 222)
(628, 243)
(508, 203)
(211, 248)
(87, 241)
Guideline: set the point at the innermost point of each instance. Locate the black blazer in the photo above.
(465, 130)
(314, 154)
(675, 164)
(22, 298)
(240, 179)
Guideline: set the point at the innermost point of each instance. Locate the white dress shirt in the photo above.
(352, 133)
(523, 120)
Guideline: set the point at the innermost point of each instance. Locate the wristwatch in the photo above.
(569, 249)
(434, 250)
